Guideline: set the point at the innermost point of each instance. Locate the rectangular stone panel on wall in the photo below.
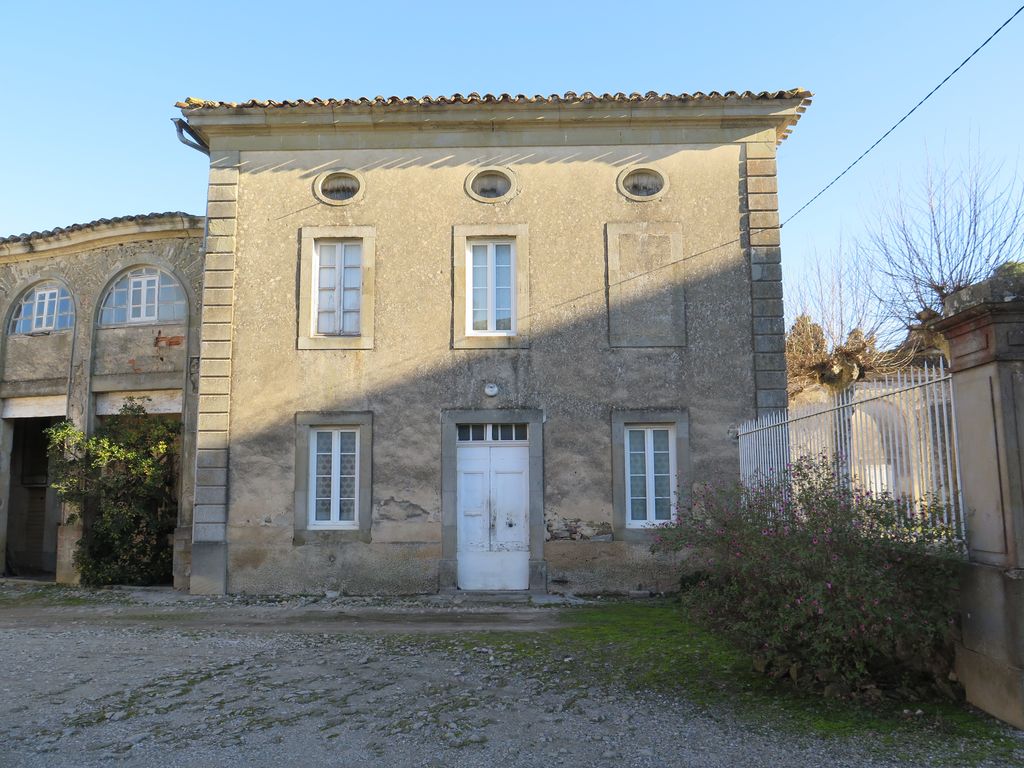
(646, 297)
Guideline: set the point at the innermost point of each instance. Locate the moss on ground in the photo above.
(655, 647)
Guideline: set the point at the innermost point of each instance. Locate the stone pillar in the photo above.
(210, 510)
(984, 325)
(80, 413)
(759, 194)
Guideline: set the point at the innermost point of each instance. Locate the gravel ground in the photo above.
(332, 683)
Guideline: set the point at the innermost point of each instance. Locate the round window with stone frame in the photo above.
(338, 187)
(642, 184)
(492, 184)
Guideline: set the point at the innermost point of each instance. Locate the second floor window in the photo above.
(491, 290)
(338, 287)
(144, 295)
(46, 307)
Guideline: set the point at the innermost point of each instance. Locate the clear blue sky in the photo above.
(88, 88)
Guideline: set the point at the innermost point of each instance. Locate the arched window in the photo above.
(144, 295)
(44, 307)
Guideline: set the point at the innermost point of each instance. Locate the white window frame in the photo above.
(47, 299)
(648, 429)
(335, 522)
(338, 287)
(492, 329)
(143, 311)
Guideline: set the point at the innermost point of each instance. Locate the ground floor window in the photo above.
(476, 433)
(651, 471)
(334, 473)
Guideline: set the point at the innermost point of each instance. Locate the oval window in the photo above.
(339, 187)
(643, 183)
(492, 184)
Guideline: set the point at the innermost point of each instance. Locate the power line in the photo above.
(898, 122)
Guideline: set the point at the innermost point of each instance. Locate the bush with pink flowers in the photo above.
(836, 588)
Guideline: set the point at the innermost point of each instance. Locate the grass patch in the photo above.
(656, 647)
(45, 594)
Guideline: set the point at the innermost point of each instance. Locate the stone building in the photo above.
(93, 314)
(470, 342)
(478, 342)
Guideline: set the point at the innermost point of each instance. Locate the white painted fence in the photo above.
(896, 435)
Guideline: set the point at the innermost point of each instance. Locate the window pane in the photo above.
(323, 463)
(520, 431)
(353, 254)
(353, 277)
(347, 510)
(504, 431)
(660, 439)
(502, 320)
(323, 487)
(479, 256)
(637, 464)
(503, 276)
(326, 278)
(463, 431)
(638, 487)
(638, 509)
(478, 431)
(479, 319)
(326, 300)
(348, 487)
(480, 299)
(327, 255)
(350, 323)
(348, 464)
(323, 442)
(350, 299)
(636, 440)
(327, 322)
(348, 442)
(662, 509)
(662, 486)
(323, 510)
(661, 463)
(503, 254)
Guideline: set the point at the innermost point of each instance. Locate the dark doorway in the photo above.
(33, 509)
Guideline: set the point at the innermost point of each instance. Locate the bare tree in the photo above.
(834, 335)
(950, 231)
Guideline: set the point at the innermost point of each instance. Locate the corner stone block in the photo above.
(763, 202)
(770, 380)
(220, 227)
(765, 237)
(769, 361)
(211, 458)
(770, 272)
(220, 261)
(766, 289)
(211, 477)
(763, 220)
(759, 150)
(758, 185)
(211, 494)
(216, 349)
(209, 564)
(772, 398)
(761, 168)
(210, 513)
(219, 367)
(767, 307)
(214, 440)
(221, 209)
(215, 244)
(222, 192)
(213, 422)
(769, 343)
(769, 325)
(772, 255)
(219, 278)
(217, 331)
(214, 385)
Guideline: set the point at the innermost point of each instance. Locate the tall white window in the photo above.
(46, 307)
(490, 289)
(334, 478)
(650, 474)
(338, 287)
(144, 295)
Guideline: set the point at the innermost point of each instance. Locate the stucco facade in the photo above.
(84, 369)
(661, 309)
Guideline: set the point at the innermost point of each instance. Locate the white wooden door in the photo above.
(493, 525)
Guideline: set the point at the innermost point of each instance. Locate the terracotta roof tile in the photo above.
(503, 98)
(94, 225)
